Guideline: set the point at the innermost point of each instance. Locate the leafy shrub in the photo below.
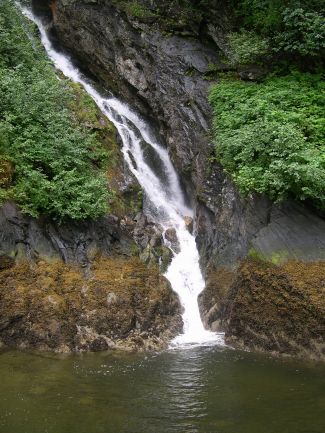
(263, 16)
(294, 27)
(304, 32)
(246, 47)
(58, 164)
(270, 136)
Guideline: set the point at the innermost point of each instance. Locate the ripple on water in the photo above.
(203, 390)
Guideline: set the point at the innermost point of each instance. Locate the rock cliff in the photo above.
(163, 75)
(119, 304)
(162, 70)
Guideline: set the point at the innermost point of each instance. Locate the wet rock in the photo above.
(166, 256)
(269, 308)
(253, 74)
(111, 298)
(148, 256)
(162, 77)
(189, 223)
(23, 237)
(6, 262)
(171, 237)
(212, 299)
(159, 86)
(147, 69)
(146, 233)
(126, 306)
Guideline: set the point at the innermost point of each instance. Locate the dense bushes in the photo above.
(246, 47)
(57, 164)
(303, 33)
(270, 136)
(295, 28)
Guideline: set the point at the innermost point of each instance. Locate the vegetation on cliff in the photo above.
(50, 162)
(269, 134)
(291, 31)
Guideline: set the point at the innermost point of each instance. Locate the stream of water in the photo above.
(165, 203)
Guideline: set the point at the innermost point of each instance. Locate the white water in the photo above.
(166, 199)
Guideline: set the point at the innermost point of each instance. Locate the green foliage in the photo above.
(303, 33)
(182, 17)
(58, 164)
(270, 136)
(136, 8)
(246, 47)
(266, 16)
(292, 27)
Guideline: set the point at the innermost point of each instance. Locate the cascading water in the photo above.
(166, 204)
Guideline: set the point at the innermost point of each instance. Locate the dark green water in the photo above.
(203, 390)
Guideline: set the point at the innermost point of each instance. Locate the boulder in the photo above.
(171, 236)
(122, 304)
(277, 308)
(189, 223)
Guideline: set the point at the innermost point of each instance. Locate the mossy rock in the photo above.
(277, 308)
(122, 304)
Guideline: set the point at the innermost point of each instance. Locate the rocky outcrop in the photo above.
(25, 238)
(273, 302)
(230, 227)
(32, 247)
(269, 308)
(163, 74)
(277, 308)
(82, 286)
(120, 304)
(77, 242)
(160, 76)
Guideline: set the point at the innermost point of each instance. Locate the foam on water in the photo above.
(166, 199)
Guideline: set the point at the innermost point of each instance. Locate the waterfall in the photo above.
(165, 198)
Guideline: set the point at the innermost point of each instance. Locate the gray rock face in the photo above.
(230, 226)
(22, 237)
(160, 76)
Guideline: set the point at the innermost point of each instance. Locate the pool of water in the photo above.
(202, 390)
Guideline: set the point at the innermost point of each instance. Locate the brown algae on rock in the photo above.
(122, 304)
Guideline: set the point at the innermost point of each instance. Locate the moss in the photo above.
(277, 257)
(191, 72)
(135, 250)
(86, 112)
(139, 11)
(172, 18)
(256, 255)
(53, 306)
(278, 308)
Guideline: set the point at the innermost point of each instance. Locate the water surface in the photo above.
(202, 390)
